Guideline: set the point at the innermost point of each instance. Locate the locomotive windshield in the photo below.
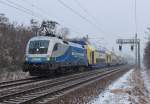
(38, 47)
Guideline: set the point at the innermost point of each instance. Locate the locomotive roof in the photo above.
(75, 44)
(49, 38)
(41, 38)
(81, 42)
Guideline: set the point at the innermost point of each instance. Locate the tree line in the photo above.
(147, 51)
(13, 39)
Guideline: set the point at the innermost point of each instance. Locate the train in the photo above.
(51, 54)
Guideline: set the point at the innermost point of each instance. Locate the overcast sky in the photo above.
(109, 19)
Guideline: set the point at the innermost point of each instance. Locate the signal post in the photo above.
(136, 43)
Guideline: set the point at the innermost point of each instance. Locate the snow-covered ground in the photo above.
(113, 94)
(146, 78)
(131, 88)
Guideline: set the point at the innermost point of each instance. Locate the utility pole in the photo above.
(139, 58)
(136, 61)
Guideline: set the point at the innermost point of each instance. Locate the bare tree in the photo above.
(147, 50)
(13, 39)
(64, 32)
(3, 19)
(35, 26)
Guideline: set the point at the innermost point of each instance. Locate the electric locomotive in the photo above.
(47, 54)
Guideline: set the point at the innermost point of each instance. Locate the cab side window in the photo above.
(55, 47)
(59, 49)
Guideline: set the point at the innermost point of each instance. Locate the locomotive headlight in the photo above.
(48, 58)
(26, 58)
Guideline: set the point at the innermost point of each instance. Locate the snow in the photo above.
(146, 77)
(115, 93)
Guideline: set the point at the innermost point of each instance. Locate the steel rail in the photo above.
(18, 88)
(31, 94)
(65, 86)
(15, 83)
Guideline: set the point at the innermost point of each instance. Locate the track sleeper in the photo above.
(29, 96)
(11, 102)
(22, 98)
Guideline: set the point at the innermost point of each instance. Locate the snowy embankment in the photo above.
(129, 89)
(146, 77)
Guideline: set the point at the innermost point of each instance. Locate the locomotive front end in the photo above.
(38, 55)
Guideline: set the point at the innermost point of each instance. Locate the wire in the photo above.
(19, 9)
(19, 6)
(36, 7)
(2, 2)
(43, 11)
(87, 12)
(78, 14)
(26, 9)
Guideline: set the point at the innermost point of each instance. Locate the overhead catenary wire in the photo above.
(19, 9)
(89, 14)
(78, 14)
(20, 6)
(27, 9)
(36, 7)
(43, 11)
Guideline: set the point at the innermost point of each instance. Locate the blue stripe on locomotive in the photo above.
(74, 55)
(36, 60)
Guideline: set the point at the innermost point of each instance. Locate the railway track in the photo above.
(14, 83)
(32, 92)
(8, 84)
